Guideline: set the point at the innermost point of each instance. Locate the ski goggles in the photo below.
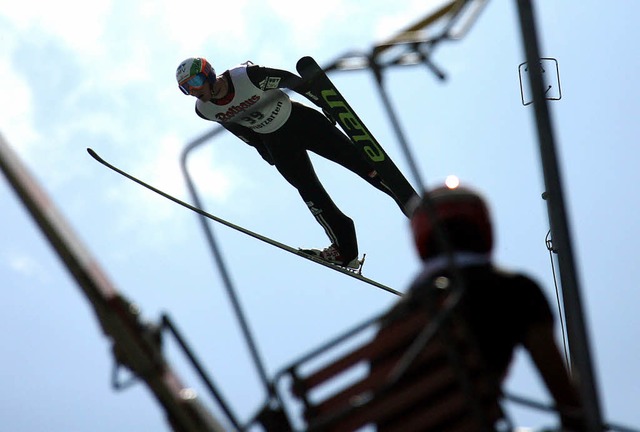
(194, 83)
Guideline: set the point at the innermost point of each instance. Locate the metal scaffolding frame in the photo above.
(416, 49)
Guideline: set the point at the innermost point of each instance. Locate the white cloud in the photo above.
(76, 23)
(157, 166)
(194, 26)
(308, 26)
(16, 121)
(160, 167)
(217, 182)
(23, 265)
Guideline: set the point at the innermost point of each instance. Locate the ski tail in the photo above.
(333, 102)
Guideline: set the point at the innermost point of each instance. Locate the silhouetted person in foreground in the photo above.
(502, 310)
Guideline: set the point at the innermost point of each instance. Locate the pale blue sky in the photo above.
(101, 74)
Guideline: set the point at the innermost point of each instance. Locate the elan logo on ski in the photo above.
(350, 122)
(336, 105)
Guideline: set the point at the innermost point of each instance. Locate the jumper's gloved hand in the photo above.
(329, 116)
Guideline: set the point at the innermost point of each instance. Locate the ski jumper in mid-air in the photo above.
(247, 101)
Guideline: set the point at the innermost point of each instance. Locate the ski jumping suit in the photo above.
(281, 130)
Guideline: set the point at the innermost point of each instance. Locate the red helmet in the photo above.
(463, 216)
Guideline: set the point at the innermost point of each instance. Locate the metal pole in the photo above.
(222, 268)
(377, 72)
(576, 329)
(167, 322)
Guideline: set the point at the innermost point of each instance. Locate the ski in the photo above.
(327, 95)
(352, 273)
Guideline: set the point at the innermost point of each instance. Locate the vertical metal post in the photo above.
(576, 329)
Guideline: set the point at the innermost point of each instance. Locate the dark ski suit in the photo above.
(282, 131)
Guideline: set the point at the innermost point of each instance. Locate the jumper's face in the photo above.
(204, 92)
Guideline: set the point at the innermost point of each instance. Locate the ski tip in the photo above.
(93, 154)
(305, 63)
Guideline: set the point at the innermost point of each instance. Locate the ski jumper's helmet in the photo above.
(193, 73)
(463, 217)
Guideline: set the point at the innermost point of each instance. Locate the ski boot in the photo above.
(332, 255)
